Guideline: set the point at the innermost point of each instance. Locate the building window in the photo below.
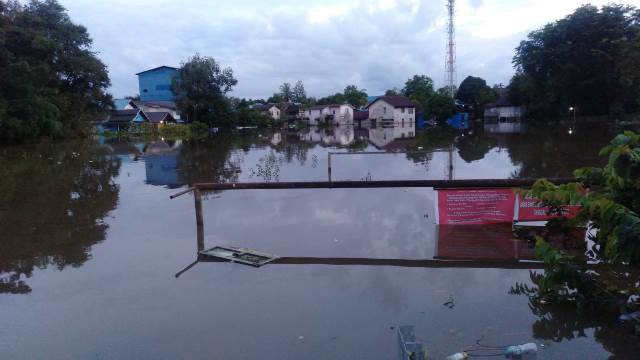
(145, 90)
(403, 110)
(410, 110)
(384, 110)
(403, 120)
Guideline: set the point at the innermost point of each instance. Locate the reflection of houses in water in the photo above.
(125, 151)
(392, 138)
(161, 163)
(341, 135)
(276, 138)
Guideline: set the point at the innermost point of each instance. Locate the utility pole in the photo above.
(450, 65)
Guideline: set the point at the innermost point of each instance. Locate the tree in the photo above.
(299, 95)
(51, 82)
(419, 89)
(201, 87)
(393, 92)
(474, 91)
(286, 92)
(336, 98)
(354, 96)
(587, 60)
(441, 107)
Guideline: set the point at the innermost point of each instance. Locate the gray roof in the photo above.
(158, 68)
(156, 117)
(124, 116)
(395, 101)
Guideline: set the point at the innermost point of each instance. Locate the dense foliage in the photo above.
(51, 82)
(589, 60)
(201, 87)
(610, 204)
(475, 91)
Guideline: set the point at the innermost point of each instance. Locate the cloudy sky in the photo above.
(328, 44)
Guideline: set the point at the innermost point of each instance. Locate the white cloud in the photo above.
(327, 44)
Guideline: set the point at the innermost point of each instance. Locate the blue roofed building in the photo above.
(155, 84)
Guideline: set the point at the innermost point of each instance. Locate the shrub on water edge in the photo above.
(610, 203)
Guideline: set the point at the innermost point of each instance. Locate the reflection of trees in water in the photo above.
(52, 203)
(550, 151)
(210, 160)
(420, 151)
(474, 147)
(558, 322)
(291, 147)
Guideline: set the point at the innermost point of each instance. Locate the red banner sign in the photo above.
(530, 210)
(475, 206)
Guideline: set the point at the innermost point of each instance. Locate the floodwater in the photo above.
(90, 245)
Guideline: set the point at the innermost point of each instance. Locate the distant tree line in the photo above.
(51, 82)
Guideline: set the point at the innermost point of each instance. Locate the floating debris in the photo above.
(239, 255)
(451, 302)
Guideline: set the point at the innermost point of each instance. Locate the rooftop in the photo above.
(157, 68)
(395, 101)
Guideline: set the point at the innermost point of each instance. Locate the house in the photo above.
(502, 116)
(313, 114)
(155, 84)
(291, 111)
(155, 106)
(160, 117)
(122, 119)
(270, 110)
(396, 111)
(360, 117)
(335, 114)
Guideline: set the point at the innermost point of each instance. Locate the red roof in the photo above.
(395, 101)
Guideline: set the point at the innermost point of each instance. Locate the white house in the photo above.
(396, 111)
(270, 110)
(337, 114)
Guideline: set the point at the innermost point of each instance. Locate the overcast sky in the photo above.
(328, 44)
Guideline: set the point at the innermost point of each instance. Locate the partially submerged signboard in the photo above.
(490, 206)
(475, 206)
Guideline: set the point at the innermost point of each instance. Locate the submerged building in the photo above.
(503, 116)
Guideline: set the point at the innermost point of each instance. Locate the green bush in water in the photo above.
(610, 204)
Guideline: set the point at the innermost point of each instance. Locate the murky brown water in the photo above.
(90, 244)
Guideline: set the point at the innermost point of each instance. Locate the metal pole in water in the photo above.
(329, 166)
(197, 196)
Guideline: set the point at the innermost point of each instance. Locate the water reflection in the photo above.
(53, 201)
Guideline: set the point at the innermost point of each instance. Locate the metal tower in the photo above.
(450, 66)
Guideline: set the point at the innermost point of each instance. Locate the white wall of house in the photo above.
(504, 112)
(383, 111)
(313, 115)
(274, 112)
(342, 114)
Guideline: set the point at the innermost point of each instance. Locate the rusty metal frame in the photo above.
(199, 188)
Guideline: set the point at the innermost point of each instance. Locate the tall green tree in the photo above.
(298, 93)
(441, 107)
(51, 82)
(475, 91)
(588, 60)
(286, 92)
(201, 87)
(419, 89)
(354, 96)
